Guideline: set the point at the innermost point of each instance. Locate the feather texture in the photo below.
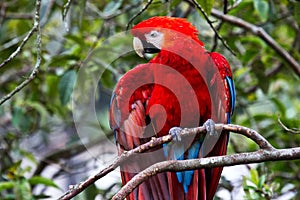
(182, 86)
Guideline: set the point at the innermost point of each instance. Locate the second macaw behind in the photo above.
(182, 86)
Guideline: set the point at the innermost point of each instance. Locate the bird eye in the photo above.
(154, 34)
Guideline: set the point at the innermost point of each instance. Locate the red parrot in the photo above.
(182, 86)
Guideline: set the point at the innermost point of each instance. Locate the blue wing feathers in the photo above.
(232, 92)
(179, 155)
(186, 177)
(193, 152)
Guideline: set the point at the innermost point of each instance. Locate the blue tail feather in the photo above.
(232, 93)
(193, 152)
(184, 177)
(179, 155)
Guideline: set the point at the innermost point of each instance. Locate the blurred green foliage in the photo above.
(91, 35)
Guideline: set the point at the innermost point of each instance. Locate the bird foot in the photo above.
(175, 133)
(210, 127)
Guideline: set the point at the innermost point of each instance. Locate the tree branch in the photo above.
(262, 34)
(35, 28)
(217, 161)
(155, 142)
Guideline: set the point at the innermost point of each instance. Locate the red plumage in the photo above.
(182, 86)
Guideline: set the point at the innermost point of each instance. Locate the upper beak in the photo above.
(142, 47)
(138, 47)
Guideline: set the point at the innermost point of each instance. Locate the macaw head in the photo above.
(162, 32)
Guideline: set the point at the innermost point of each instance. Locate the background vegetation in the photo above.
(43, 145)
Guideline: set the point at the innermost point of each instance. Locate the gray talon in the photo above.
(175, 132)
(210, 127)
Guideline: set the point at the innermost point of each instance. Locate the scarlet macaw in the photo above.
(182, 86)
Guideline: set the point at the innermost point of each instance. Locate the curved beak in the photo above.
(138, 47)
(142, 47)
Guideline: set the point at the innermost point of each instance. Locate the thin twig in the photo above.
(215, 45)
(291, 130)
(212, 27)
(225, 7)
(66, 8)
(18, 50)
(217, 161)
(250, 133)
(262, 34)
(35, 28)
(2, 12)
(18, 16)
(138, 14)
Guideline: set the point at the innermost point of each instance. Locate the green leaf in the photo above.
(82, 5)
(6, 185)
(18, 26)
(112, 7)
(279, 105)
(250, 187)
(296, 12)
(207, 5)
(42, 180)
(14, 171)
(76, 38)
(261, 182)
(20, 119)
(40, 108)
(263, 82)
(62, 60)
(106, 79)
(254, 176)
(231, 2)
(262, 7)
(66, 85)
(91, 192)
(52, 84)
(28, 155)
(22, 190)
(248, 184)
(255, 41)
(174, 3)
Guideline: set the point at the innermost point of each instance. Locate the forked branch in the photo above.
(229, 160)
(266, 153)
